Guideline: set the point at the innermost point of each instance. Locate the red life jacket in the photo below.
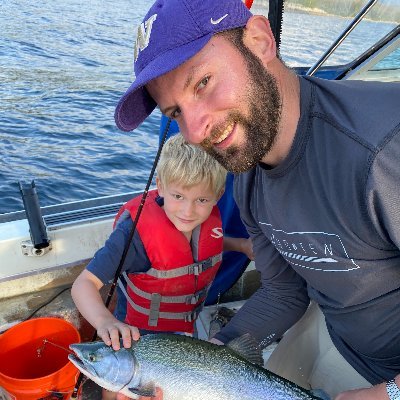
(170, 295)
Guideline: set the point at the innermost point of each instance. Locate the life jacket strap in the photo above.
(154, 312)
(191, 269)
(192, 298)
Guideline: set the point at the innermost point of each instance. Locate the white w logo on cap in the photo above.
(143, 35)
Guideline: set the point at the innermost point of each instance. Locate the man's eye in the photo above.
(202, 201)
(177, 196)
(203, 82)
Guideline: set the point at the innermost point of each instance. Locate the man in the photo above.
(317, 185)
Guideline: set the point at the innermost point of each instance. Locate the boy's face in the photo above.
(186, 207)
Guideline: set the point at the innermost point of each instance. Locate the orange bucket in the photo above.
(34, 359)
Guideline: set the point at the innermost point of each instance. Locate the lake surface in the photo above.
(63, 67)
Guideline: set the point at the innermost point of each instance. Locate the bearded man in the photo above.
(317, 183)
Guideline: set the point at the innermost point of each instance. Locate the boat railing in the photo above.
(72, 212)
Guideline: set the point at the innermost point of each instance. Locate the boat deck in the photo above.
(52, 297)
(52, 300)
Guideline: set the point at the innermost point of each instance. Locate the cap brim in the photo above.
(136, 104)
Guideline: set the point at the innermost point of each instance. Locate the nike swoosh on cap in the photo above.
(217, 21)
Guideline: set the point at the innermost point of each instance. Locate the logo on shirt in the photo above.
(318, 251)
(143, 36)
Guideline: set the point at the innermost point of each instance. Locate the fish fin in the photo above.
(320, 394)
(148, 390)
(247, 347)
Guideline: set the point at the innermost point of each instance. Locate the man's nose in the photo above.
(196, 124)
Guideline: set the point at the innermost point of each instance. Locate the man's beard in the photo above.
(260, 127)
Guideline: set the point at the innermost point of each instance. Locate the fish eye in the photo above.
(92, 357)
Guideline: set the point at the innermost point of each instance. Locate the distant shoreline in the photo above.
(317, 11)
(306, 10)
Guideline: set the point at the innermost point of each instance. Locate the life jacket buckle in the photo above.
(206, 264)
(196, 269)
(192, 299)
(191, 316)
(195, 298)
(154, 309)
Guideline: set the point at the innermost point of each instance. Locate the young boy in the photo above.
(173, 257)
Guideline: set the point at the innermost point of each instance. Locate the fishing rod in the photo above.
(132, 231)
(129, 241)
(138, 212)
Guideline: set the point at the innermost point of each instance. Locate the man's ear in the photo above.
(258, 37)
(159, 187)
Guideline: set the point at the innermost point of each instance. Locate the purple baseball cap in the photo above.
(171, 33)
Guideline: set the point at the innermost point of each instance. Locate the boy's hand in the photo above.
(111, 330)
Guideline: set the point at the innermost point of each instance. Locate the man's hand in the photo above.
(247, 248)
(242, 245)
(377, 392)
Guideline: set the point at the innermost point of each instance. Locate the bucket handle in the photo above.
(55, 394)
(4, 395)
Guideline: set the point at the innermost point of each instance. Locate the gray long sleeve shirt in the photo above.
(325, 225)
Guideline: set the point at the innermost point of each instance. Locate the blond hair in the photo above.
(189, 165)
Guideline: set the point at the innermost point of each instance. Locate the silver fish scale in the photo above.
(189, 369)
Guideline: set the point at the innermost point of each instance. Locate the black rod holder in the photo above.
(37, 228)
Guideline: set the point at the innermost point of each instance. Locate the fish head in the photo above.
(110, 369)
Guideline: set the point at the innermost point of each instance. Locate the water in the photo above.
(63, 67)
